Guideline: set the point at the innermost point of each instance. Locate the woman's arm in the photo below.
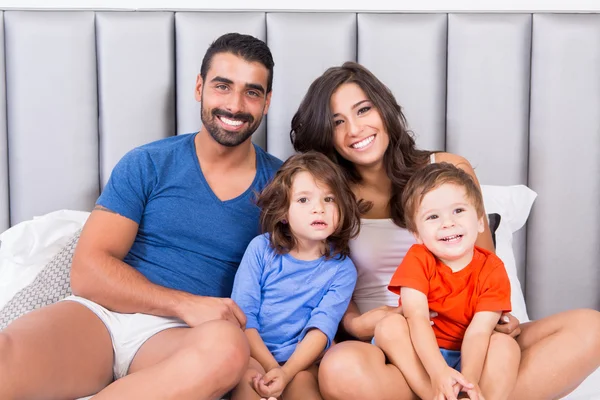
(362, 326)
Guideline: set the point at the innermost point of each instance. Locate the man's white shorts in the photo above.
(128, 332)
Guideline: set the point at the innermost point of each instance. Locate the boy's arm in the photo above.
(475, 344)
(493, 300)
(416, 312)
(259, 351)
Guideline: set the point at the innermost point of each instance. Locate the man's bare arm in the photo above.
(99, 274)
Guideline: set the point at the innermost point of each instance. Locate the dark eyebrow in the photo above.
(254, 86)
(354, 106)
(222, 80)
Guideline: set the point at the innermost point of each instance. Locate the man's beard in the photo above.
(221, 135)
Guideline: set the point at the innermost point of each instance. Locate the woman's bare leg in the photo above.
(304, 386)
(354, 370)
(392, 335)
(62, 351)
(244, 390)
(500, 368)
(558, 353)
(200, 363)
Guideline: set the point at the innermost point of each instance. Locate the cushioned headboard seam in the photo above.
(99, 174)
(5, 222)
(445, 121)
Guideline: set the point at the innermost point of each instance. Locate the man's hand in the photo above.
(196, 310)
(272, 384)
(509, 325)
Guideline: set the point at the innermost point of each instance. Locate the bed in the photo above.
(516, 94)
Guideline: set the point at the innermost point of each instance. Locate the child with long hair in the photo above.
(295, 280)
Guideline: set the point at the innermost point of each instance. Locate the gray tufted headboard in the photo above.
(517, 94)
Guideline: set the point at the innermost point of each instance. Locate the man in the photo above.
(156, 259)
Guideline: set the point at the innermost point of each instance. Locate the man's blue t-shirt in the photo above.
(188, 239)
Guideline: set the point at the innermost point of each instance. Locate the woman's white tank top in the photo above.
(376, 252)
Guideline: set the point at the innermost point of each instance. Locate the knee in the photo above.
(342, 371)
(505, 346)
(585, 323)
(222, 346)
(392, 327)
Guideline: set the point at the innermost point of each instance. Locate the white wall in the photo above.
(315, 5)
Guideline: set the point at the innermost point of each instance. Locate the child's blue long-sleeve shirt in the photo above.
(283, 297)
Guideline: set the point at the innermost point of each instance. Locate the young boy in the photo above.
(466, 285)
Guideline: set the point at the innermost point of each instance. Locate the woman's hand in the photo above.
(509, 325)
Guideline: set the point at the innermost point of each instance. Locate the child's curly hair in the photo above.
(274, 202)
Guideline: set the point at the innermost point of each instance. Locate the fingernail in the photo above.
(434, 314)
(505, 319)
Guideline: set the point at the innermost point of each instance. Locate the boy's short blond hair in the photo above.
(431, 177)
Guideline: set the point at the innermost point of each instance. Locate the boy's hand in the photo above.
(475, 393)
(447, 384)
(272, 383)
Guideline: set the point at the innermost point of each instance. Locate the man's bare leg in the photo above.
(200, 363)
(62, 351)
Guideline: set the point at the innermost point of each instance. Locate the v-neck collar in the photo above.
(204, 182)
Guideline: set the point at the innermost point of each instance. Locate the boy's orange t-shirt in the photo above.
(483, 285)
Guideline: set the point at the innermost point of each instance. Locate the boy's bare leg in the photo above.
(244, 390)
(304, 386)
(500, 368)
(200, 363)
(392, 336)
(62, 351)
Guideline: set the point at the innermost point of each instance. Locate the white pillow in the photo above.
(27, 247)
(513, 203)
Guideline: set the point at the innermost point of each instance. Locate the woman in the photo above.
(353, 118)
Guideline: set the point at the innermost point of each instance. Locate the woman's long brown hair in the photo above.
(313, 129)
